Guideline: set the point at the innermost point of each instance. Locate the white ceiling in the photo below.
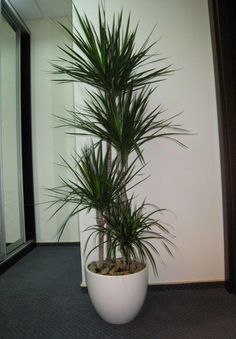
(39, 9)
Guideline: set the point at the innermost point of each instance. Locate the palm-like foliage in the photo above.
(108, 60)
(123, 121)
(132, 231)
(93, 185)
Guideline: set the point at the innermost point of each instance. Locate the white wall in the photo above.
(185, 181)
(48, 99)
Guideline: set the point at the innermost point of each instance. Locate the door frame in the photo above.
(223, 30)
(26, 136)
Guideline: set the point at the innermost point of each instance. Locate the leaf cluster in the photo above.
(107, 58)
(132, 232)
(93, 184)
(124, 121)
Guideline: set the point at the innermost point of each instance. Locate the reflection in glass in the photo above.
(10, 136)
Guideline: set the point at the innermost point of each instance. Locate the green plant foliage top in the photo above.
(107, 58)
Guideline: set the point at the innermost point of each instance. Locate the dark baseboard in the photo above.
(74, 243)
(5, 265)
(185, 286)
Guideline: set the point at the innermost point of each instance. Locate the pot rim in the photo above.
(115, 276)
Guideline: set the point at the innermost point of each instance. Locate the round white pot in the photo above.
(117, 299)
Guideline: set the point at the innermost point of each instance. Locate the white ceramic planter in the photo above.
(117, 299)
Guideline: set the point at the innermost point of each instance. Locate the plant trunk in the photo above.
(109, 151)
(123, 169)
(100, 223)
(124, 199)
(124, 260)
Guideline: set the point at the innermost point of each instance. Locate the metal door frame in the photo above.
(24, 145)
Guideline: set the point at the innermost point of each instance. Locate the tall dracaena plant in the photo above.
(121, 75)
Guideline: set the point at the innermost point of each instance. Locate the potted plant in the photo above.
(116, 114)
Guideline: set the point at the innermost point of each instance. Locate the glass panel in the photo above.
(10, 137)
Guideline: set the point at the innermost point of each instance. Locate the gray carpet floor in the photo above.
(41, 298)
